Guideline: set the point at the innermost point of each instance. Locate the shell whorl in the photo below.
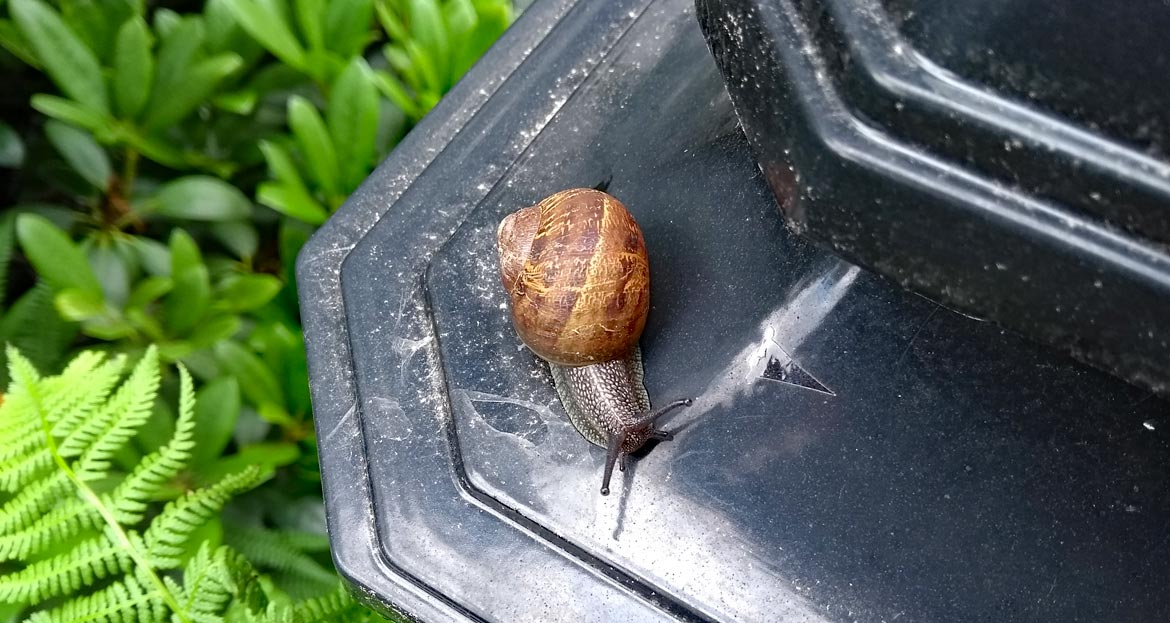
(576, 271)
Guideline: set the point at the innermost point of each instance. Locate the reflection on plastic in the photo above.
(789, 324)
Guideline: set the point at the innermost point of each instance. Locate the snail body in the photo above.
(576, 271)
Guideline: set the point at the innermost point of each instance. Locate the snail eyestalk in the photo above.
(653, 417)
(611, 456)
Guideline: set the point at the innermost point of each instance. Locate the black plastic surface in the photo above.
(946, 470)
(991, 205)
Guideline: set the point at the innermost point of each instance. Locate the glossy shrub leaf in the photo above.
(178, 52)
(72, 66)
(191, 293)
(73, 304)
(293, 201)
(58, 261)
(281, 165)
(494, 17)
(199, 83)
(347, 26)
(352, 116)
(430, 34)
(311, 19)
(240, 237)
(113, 272)
(70, 112)
(133, 67)
(314, 142)
(201, 198)
(245, 292)
(153, 256)
(265, 22)
(148, 291)
(82, 152)
(11, 147)
(217, 406)
(14, 42)
(270, 455)
(460, 16)
(397, 93)
(214, 329)
(257, 381)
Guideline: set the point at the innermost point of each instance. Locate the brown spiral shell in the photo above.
(575, 268)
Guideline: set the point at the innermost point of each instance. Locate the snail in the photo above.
(576, 271)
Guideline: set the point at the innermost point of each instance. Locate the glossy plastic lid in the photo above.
(855, 452)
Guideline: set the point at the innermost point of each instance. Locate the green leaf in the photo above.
(258, 383)
(166, 21)
(133, 67)
(211, 331)
(14, 42)
(347, 26)
(293, 201)
(177, 54)
(11, 147)
(191, 296)
(71, 112)
(266, 24)
(281, 164)
(201, 198)
(428, 32)
(148, 291)
(268, 455)
(198, 84)
(395, 92)
(82, 153)
(310, 15)
(494, 19)
(217, 406)
(240, 237)
(460, 16)
(71, 65)
(245, 292)
(57, 260)
(313, 140)
(154, 256)
(390, 21)
(112, 270)
(75, 305)
(352, 116)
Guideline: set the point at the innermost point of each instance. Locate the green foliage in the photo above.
(75, 528)
(170, 171)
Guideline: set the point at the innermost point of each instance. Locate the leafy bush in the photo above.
(80, 529)
(165, 166)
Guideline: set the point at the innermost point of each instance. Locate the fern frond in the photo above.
(126, 601)
(111, 426)
(67, 520)
(212, 578)
(65, 406)
(130, 499)
(169, 532)
(32, 501)
(337, 605)
(279, 551)
(92, 560)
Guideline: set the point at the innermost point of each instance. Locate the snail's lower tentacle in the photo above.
(616, 441)
(661, 435)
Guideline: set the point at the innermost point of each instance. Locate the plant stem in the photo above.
(88, 494)
(129, 171)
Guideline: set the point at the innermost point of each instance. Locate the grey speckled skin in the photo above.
(608, 404)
